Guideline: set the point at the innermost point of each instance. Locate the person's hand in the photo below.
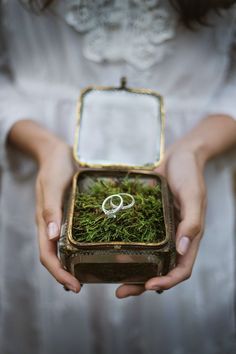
(55, 173)
(183, 169)
(56, 168)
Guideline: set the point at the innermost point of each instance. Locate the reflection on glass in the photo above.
(119, 127)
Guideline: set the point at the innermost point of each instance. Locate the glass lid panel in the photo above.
(119, 127)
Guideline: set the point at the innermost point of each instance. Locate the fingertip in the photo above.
(120, 293)
(125, 291)
(69, 287)
(120, 296)
(67, 279)
(75, 288)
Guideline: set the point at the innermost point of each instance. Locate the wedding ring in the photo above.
(114, 207)
(125, 206)
(112, 212)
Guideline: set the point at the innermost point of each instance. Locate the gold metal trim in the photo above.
(116, 245)
(118, 166)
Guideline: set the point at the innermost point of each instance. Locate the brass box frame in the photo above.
(116, 262)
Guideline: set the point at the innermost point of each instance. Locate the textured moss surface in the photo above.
(144, 222)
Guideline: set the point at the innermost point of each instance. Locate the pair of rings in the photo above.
(115, 208)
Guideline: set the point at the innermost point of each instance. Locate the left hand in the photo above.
(183, 169)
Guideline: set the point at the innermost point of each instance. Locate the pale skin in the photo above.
(183, 167)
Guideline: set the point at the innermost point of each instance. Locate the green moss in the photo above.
(144, 222)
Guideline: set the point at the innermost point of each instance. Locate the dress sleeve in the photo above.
(14, 106)
(224, 101)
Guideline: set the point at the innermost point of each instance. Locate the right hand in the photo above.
(56, 169)
(55, 173)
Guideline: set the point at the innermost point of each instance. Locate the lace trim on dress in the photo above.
(134, 31)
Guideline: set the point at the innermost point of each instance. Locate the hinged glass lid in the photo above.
(119, 127)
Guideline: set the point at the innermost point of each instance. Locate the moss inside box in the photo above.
(143, 222)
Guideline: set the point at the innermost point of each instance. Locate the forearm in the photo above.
(211, 137)
(33, 139)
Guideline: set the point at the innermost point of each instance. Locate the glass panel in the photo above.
(120, 127)
(117, 268)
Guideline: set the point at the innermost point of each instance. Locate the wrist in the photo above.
(198, 147)
(189, 146)
(211, 137)
(31, 138)
(48, 144)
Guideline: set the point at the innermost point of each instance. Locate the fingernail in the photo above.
(71, 287)
(65, 288)
(183, 245)
(53, 230)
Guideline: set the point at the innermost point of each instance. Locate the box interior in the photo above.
(140, 218)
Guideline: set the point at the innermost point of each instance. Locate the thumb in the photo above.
(52, 211)
(160, 169)
(191, 225)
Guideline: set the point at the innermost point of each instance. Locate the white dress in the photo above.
(50, 58)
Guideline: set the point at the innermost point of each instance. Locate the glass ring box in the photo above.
(119, 219)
